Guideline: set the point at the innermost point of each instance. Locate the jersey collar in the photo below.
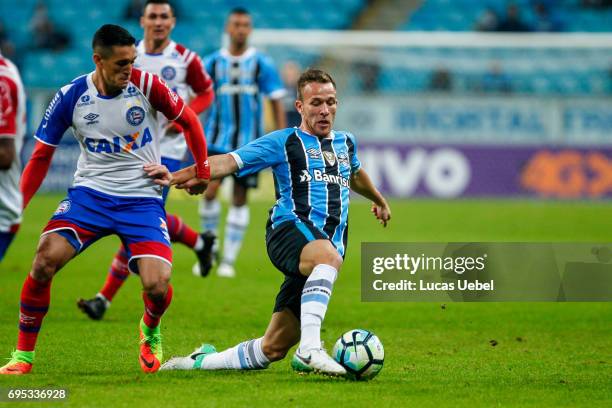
(329, 136)
(246, 54)
(141, 49)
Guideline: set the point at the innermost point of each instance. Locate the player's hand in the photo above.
(180, 177)
(382, 213)
(159, 173)
(173, 128)
(185, 179)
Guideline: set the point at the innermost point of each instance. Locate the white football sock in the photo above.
(247, 355)
(235, 227)
(315, 297)
(210, 212)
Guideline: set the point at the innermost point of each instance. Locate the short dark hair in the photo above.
(239, 10)
(313, 75)
(109, 35)
(168, 2)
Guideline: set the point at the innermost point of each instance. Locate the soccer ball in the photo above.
(361, 353)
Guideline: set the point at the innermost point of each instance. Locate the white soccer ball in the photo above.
(361, 353)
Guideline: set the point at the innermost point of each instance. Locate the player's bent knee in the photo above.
(44, 267)
(156, 289)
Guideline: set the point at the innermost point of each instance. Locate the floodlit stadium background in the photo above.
(442, 104)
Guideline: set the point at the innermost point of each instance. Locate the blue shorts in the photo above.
(87, 215)
(172, 165)
(5, 241)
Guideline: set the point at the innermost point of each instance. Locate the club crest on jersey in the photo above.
(343, 159)
(330, 158)
(313, 153)
(135, 115)
(168, 73)
(62, 208)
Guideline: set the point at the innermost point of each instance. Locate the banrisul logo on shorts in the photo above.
(135, 115)
(62, 208)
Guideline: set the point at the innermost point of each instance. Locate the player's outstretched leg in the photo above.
(157, 295)
(53, 252)
(320, 261)
(117, 274)
(282, 334)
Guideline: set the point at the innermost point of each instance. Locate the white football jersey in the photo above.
(184, 73)
(12, 125)
(117, 134)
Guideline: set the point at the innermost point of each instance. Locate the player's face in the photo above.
(157, 21)
(318, 108)
(239, 27)
(116, 68)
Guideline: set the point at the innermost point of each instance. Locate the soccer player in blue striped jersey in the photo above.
(242, 76)
(314, 169)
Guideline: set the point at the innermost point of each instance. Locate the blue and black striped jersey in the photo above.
(311, 177)
(236, 116)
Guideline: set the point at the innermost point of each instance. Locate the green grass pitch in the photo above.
(546, 354)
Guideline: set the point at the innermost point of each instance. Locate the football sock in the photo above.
(210, 211)
(247, 355)
(181, 232)
(117, 274)
(315, 297)
(236, 225)
(35, 299)
(155, 307)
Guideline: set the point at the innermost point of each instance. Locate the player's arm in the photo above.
(8, 121)
(201, 84)
(362, 185)
(272, 86)
(278, 111)
(164, 100)
(267, 151)
(7, 153)
(220, 166)
(35, 171)
(56, 120)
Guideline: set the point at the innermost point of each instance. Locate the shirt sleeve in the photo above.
(269, 81)
(267, 151)
(8, 107)
(57, 118)
(162, 98)
(197, 77)
(352, 148)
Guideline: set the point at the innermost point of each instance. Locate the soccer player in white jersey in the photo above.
(116, 190)
(242, 75)
(12, 130)
(315, 167)
(183, 72)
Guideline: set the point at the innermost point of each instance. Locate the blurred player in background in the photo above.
(116, 190)
(242, 76)
(12, 130)
(315, 168)
(183, 72)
